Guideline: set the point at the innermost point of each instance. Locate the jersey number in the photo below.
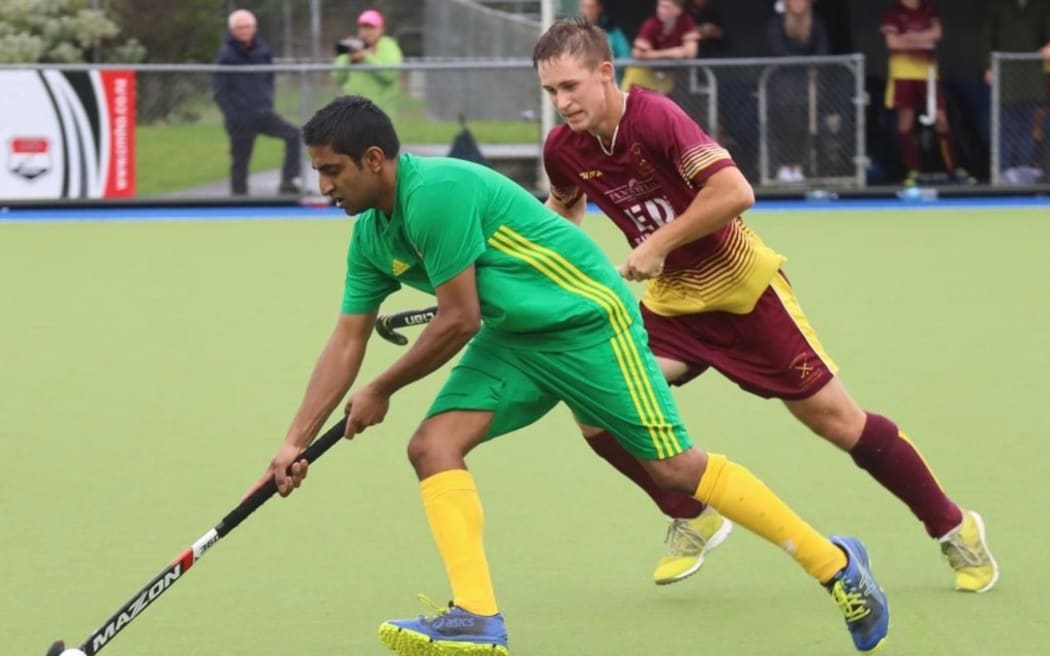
(651, 215)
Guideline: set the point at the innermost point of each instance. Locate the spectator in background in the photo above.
(594, 12)
(912, 29)
(714, 39)
(246, 101)
(1018, 26)
(669, 34)
(370, 46)
(796, 33)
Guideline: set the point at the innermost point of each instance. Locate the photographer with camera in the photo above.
(370, 46)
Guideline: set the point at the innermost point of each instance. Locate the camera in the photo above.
(349, 45)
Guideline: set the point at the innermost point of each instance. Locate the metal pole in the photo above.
(546, 108)
(95, 49)
(286, 17)
(813, 123)
(315, 30)
(860, 102)
(764, 175)
(996, 118)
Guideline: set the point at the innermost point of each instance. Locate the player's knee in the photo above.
(422, 449)
(842, 428)
(678, 474)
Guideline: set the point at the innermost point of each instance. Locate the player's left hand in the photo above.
(366, 407)
(643, 263)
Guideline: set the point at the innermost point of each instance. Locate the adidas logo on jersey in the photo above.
(399, 267)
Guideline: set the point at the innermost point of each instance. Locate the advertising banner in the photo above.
(67, 134)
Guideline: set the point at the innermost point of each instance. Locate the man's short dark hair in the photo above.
(574, 37)
(350, 125)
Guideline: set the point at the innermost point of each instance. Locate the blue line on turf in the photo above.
(239, 213)
(225, 213)
(901, 205)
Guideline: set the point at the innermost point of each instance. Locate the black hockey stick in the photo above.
(173, 572)
(387, 324)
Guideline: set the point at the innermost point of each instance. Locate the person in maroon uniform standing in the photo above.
(669, 34)
(912, 29)
(715, 294)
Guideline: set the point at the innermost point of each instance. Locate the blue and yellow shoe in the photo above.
(449, 631)
(859, 597)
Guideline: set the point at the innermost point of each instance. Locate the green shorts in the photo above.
(615, 385)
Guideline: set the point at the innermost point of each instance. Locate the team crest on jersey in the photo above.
(640, 163)
(399, 267)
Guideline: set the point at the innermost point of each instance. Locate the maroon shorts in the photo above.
(772, 351)
(911, 94)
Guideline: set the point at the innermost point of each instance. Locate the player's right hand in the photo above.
(287, 473)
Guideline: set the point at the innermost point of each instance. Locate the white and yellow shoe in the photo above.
(967, 552)
(689, 540)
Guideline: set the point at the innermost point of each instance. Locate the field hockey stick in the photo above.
(387, 324)
(930, 117)
(173, 572)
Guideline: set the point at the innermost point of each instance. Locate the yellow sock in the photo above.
(456, 521)
(738, 494)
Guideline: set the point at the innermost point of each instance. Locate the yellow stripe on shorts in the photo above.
(566, 275)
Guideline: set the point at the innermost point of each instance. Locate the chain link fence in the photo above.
(1020, 130)
(788, 122)
(769, 113)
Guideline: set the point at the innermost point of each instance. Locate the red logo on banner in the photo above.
(119, 88)
(29, 157)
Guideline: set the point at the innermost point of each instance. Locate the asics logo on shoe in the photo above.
(453, 623)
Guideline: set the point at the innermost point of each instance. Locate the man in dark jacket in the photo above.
(246, 100)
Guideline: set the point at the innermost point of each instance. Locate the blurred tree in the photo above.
(61, 31)
(173, 32)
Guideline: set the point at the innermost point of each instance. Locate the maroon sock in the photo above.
(944, 139)
(893, 461)
(909, 147)
(673, 504)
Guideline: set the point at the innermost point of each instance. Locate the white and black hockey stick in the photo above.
(930, 117)
(387, 324)
(173, 572)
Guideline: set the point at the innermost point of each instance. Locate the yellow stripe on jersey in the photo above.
(584, 284)
(567, 276)
(697, 159)
(730, 279)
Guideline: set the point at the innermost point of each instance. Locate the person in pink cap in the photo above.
(370, 46)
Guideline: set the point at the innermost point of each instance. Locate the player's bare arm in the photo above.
(688, 50)
(334, 373)
(457, 321)
(725, 195)
(641, 49)
(573, 210)
(924, 40)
